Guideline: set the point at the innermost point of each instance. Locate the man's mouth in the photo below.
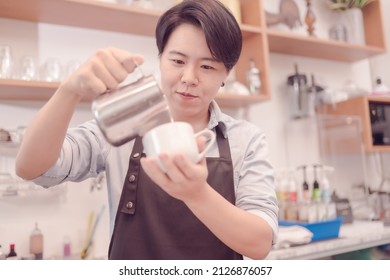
(186, 94)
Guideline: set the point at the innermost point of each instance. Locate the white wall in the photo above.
(291, 143)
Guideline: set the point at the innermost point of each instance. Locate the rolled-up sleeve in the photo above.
(83, 155)
(254, 177)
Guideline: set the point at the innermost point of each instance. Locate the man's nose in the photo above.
(190, 76)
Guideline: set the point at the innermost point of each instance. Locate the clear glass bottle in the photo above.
(253, 78)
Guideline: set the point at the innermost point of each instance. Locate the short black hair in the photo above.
(222, 32)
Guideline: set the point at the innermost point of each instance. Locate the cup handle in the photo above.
(211, 136)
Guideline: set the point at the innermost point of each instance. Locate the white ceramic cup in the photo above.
(175, 138)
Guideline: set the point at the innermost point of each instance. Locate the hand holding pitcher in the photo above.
(103, 71)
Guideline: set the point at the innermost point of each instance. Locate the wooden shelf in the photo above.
(19, 90)
(229, 100)
(291, 44)
(385, 99)
(359, 106)
(250, 30)
(258, 42)
(89, 14)
(83, 13)
(12, 90)
(122, 18)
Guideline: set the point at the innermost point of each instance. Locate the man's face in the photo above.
(190, 76)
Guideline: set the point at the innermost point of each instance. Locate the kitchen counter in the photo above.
(356, 236)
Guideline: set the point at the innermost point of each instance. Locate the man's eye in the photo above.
(207, 67)
(178, 61)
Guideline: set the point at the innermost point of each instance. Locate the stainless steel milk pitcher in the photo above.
(130, 110)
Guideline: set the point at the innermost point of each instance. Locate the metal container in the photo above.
(131, 110)
(298, 94)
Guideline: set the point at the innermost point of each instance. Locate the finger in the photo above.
(201, 142)
(113, 65)
(173, 171)
(104, 74)
(154, 172)
(84, 82)
(94, 86)
(185, 166)
(129, 61)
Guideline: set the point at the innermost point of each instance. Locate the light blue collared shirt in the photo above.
(86, 153)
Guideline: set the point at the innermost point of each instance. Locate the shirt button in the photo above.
(136, 155)
(131, 178)
(129, 205)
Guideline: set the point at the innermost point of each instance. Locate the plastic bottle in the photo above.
(316, 194)
(304, 203)
(253, 78)
(12, 253)
(326, 194)
(315, 212)
(67, 247)
(292, 206)
(292, 187)
(36, 243)
(282, 184)
(305, 186)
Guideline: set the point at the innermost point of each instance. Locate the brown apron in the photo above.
(150, 224)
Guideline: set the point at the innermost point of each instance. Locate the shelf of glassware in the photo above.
(258, 40)
(85, 14)
(20, 192)
(126, 19)
(89, 14)
(18, 90)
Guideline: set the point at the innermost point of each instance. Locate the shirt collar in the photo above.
(216, 117)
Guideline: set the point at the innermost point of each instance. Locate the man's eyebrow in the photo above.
(182, 54)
